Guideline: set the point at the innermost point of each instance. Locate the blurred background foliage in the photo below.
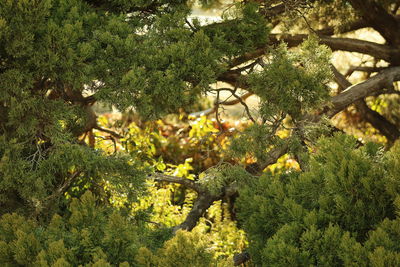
(181, 146)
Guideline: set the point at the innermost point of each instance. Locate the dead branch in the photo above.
(238, 99)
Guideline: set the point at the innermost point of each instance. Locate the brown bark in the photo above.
(160, 177)
(202, 203)
(258, 167)
(378, 51)
(240, 258)
(382, 21)
(225, 103)
(361, 90)
(205, 199)
(379, 122)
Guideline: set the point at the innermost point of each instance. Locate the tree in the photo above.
(58, 58)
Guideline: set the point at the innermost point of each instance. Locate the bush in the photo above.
(342, 211)
(92, 234)
(185, 249)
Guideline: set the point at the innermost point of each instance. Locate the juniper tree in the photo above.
(58, 58)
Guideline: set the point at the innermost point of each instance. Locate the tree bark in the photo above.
(379, 51)
(361, 90)
(382, 21)
(379, 122)
(202, 203)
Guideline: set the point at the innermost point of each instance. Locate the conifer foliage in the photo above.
(67, 200)
(330, 215)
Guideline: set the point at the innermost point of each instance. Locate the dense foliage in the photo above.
(309, 175)
(342, 211)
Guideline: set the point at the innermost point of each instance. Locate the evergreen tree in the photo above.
(59, 192)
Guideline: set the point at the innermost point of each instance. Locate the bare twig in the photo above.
(217, 103)
(240, 99)
(108, 131)
(63, 187)
(190, 25)
(113, 140)
(225, 103)
(378, 18)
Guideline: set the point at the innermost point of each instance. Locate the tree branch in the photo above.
(361, 90)
(324, 34)
(240, 258)
(63, 187)
(382, 21)
(205, 199)
(160, 177)
(108, 131)
(273, 155)
(273, 11)
(379, 122)
(201, 204)
(385, 127)
(339, 102)
(247, 56)
(378, 51)
(235, 101)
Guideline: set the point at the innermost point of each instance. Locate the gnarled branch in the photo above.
(201, 204)
(205, 198)
(361, 90)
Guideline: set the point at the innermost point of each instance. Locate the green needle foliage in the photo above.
(343, 211)
(293, 82)
(92, 235)
(66, 199)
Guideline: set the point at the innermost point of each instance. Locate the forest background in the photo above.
(119, 145)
